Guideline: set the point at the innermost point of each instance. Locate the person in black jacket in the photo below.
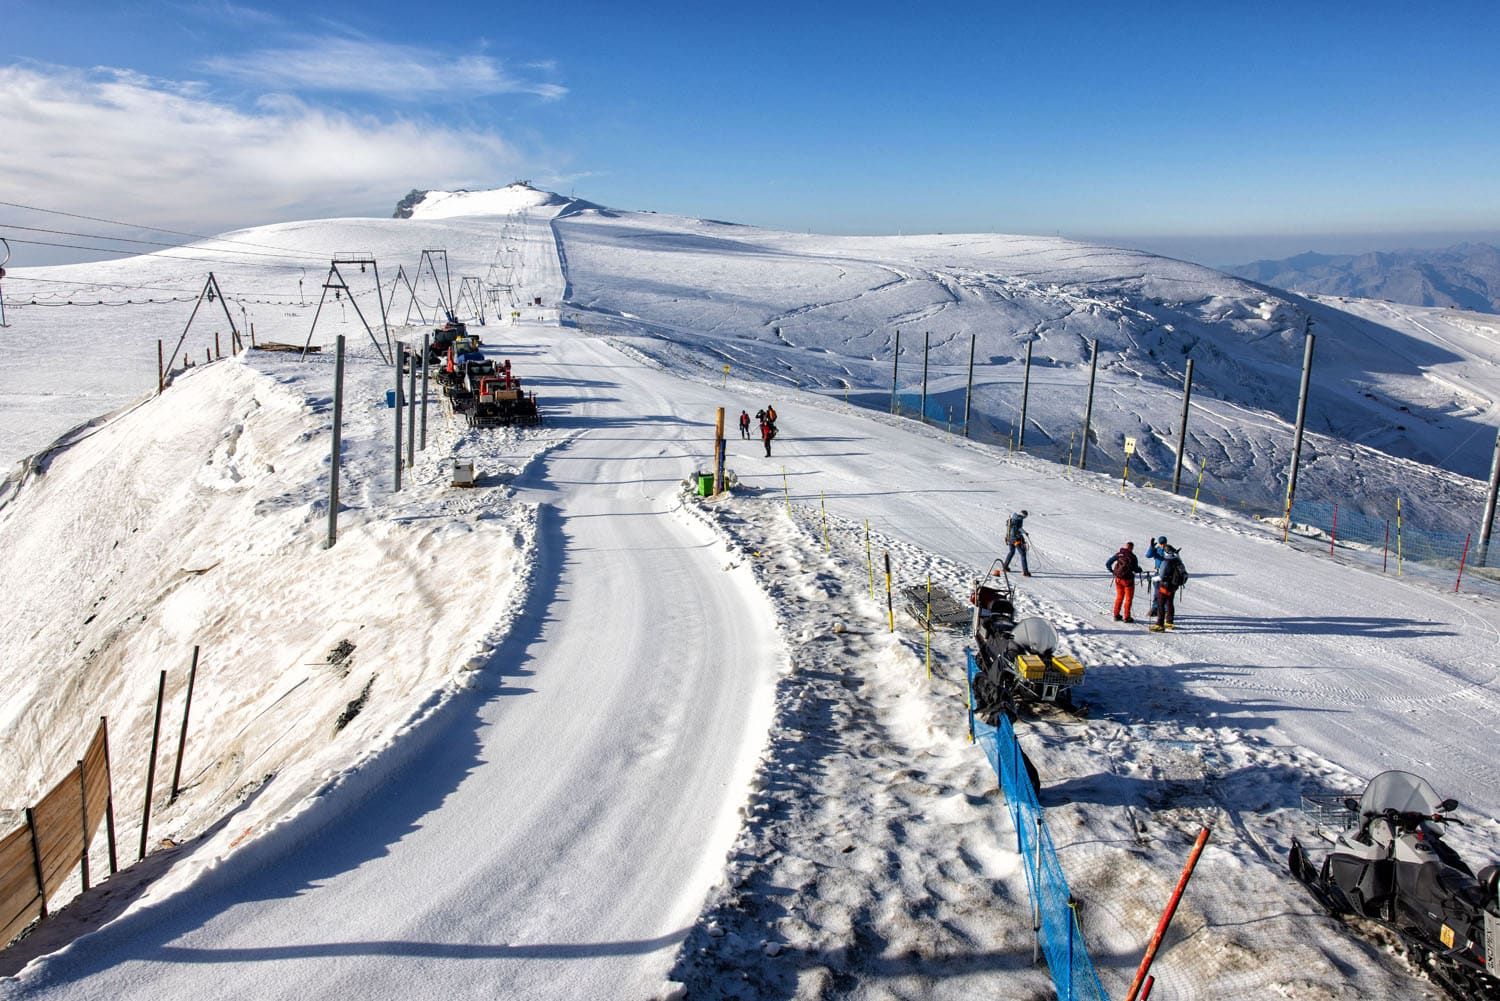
(1124, 566)
(1015, 538)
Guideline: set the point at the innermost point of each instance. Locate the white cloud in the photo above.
(117, 144)
(395, 72)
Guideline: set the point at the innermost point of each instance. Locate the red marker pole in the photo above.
(1166, 918)
(1461, 561)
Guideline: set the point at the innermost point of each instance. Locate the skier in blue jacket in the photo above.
(1015, 538)
(1156, 551)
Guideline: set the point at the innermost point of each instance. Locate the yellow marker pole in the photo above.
(823, 506)
(1398, 536)
(1195, 492)
(890, 609)
(929, 627)
(1125, 476)
(869, 559)
(725, 383)
(1286, 517)
(788, 491)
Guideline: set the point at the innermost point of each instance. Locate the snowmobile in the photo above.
(1016, 661)
(1395, 869)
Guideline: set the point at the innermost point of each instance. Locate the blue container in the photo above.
(390, 398)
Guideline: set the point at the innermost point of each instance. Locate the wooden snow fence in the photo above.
(36, 858)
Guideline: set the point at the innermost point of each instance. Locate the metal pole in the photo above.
(411, 413)
(895, 363)
(1025, 395)
(969, 395)
(36, 860)
(400, 356)
(1166, 918)
(426, 363)
(187, 708)
(1291, 477)
(161, 691)
(1489, 506)
(338, 442)
(1088, 411)
(926, 347)
(1187, 399)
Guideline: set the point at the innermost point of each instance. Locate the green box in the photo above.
(705, 484)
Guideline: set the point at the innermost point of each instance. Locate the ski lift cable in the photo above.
(158, 229)
(127, 239)
(156, 254)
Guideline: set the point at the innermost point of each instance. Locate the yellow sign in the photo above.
(1447, 936)
(1129, 446)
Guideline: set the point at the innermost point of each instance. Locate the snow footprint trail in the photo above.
(872, 850)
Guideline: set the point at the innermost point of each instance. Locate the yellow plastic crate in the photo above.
(1030, 666)
(1070, 668)
(1066, 670)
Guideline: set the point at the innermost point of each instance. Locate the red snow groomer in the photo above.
(499, 399)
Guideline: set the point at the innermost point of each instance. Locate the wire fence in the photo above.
(1392, 542)
(1054, 908)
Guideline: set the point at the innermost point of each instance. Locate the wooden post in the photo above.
(252, 335)
(187, 708)
(718, 451)
(218, 349)
(36, 860)
(1166, 918)
(336, 454)
(161, 691)
(109, 803)
(83, 804)
(161, 372)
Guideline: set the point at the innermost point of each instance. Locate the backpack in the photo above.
(1013, 531)
(1122, 565)
(1173, 574)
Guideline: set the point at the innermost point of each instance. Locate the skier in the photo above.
(745, 425)
(1124, 566)
(1015, 538)
(1155, 552)
(767, 432)
(1173, 576)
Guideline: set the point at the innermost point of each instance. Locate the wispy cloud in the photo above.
(382, 69)
(115, 143)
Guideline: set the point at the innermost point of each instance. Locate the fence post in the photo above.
(926, 348)
(83, 805)
(426, 347)
(36, 860)
(1088, 411)
(411, 414)
(1291, 479)
(1398, 537)
(335, 455)
(187, 708)
(929, 626)
(1036, 890)
(1461, 560)
(1072, 924)
(969, 394)
(1025, 395)
(869, 559)
(161, 691)
(890, 609)
(1488, 525)
(895, 365)
(400, 355)
(1187, 399)
(161, 371)
(109, 803)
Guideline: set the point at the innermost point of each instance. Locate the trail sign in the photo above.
(1129, 446)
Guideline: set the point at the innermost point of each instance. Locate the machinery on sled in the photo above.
(1394, 868)
(1015, 661)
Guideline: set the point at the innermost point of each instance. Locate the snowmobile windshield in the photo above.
(1035, 635)
(1400, 791)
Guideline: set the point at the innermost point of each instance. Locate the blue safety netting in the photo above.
(1054, 909)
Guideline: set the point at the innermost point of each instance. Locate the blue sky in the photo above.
(1215, 134)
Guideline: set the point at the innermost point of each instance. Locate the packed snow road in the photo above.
(555, 828)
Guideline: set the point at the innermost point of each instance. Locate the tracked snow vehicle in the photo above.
(1016, 660)
(1394, 868)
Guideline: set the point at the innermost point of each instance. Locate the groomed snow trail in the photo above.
(557, 830)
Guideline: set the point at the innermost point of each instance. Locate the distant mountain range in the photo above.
(1466, 276)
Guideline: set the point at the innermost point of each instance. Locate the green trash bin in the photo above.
(705, 484)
